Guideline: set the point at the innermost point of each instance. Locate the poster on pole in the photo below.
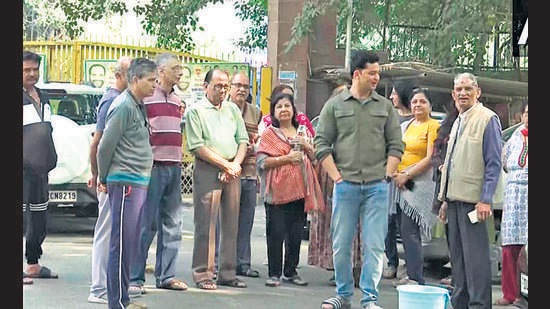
(99, 73)
(191, 85)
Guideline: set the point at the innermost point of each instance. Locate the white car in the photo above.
(74, 112)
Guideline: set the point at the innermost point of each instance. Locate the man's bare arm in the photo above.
(391, 166)
(328, 164)
(92, 182)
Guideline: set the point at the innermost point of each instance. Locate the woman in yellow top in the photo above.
(416, 186)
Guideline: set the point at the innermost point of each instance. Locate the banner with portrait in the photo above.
(191, 85)
(99, 73)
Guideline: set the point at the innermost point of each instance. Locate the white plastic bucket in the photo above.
(422, 297)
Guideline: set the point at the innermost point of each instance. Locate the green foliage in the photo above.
(255, 13)
(41, 20)
(78, 12)
(303, 23)
(447, 33)
(170, 21)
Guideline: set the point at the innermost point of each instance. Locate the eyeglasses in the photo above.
(219, 87)
(239, 85)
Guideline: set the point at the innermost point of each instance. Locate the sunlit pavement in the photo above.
(70, 256)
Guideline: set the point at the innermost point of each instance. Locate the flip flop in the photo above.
(26, 279)
(235, 283)
(173, 284)
(44, 273)
(206, 285)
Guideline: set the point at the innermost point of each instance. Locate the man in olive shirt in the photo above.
(359, 144)
(216, 135)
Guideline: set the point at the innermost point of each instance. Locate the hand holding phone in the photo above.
(473, 216)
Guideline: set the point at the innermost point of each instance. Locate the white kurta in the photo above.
(514, 225)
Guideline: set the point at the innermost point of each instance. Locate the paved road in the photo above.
(69, 255)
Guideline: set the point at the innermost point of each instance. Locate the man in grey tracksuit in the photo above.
(125, 159)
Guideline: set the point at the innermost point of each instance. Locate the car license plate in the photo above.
(63, 196)
(524, 281)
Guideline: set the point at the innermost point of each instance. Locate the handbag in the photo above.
(39, 153)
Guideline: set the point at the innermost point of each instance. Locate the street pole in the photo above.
(348, 33)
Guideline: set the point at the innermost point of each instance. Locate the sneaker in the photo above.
(273, 281)
(136, 290)
(372, 305)
(98, 300)
(390, 272)
(405, 281)
(136, 305)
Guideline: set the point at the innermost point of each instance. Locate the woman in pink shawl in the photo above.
(300, 117)
(289, 187)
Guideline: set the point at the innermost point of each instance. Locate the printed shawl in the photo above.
(289, 182)
(417, 204)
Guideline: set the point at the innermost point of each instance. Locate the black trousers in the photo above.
(35, 211)
(470, 259)
(284, 223)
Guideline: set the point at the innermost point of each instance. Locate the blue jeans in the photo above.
(162, 215)
(368, 204)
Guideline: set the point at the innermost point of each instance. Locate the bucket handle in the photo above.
(447, 300)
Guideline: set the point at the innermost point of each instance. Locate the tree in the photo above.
(42, 20)
(170, 21)
(255, 13)
(446, 33)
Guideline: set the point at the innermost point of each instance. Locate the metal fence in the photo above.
(65, 63)
(412, 43)
(65, 60)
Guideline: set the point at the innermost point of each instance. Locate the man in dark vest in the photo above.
(36, 110)
(469, 178)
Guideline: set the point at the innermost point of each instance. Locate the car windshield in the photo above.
(81, 108)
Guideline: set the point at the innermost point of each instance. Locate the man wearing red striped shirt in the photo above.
(162, 210)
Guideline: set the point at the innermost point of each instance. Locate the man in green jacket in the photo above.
(359, 144)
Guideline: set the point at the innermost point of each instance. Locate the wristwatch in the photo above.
(387, 179)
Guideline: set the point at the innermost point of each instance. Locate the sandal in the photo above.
(249, 272)
(295, 280)
(173, 284)
(26, 279)
(234, 283)
(337, 302)
(207, 285)
(44, 273)
(503, 302)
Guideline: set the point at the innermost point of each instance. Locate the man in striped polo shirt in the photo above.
(162, 210)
